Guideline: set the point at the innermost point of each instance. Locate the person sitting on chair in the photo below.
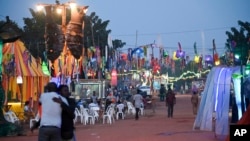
(28, 113)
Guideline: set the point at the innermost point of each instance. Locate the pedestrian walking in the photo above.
(170, 101)
(50, 125)
(195, 101)
(138, 100)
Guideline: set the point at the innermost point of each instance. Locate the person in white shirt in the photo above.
(51, 115)
(92, 104)
(94, 97)
(138, 100)
(28, 113)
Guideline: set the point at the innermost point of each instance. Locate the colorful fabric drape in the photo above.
(32, 74)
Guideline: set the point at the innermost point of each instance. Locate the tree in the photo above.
(95, 32)
(9, 30)
(118, 43)
(238, 43)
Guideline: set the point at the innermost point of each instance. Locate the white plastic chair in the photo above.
(88, 118)
(36, 119)
(78, 114)
(120, 111)
(131, 108)
(108, 115)
(94, 112)
(142, 109)
(11, 117)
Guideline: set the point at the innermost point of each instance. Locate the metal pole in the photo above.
(241, 81)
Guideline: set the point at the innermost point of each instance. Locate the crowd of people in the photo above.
(56, 109)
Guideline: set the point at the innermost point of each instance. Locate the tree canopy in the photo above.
(238, 42)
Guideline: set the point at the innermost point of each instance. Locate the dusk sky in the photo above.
(166, 22)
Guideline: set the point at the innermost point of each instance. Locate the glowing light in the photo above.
(217, 62)
(196, 59)
(237, 56)
(59, 11)
(39, 7)
(72, 5)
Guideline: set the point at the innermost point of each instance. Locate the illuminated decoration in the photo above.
(138, 51)
(179, 52)
(165, 53)
(215, 100)
(208, 58)
(216, 59)
(196, 59)
(237, 89)
(45, 69)
(114, 77)
(183, 76)
(19, 80)
(64, 42)
(174, 56)
(215, 55)
(237, 57)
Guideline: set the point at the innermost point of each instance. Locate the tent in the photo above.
(23, 77)
(215, 100)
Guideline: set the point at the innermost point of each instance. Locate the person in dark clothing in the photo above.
(163, 92)
(67, 127)
(170, 102)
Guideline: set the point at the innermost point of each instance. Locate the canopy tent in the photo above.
(215, 100)
(19, 63)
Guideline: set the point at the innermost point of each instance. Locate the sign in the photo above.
(239, 132)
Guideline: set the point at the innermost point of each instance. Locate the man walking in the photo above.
(170, 101)
(50, 126)
(137, 103)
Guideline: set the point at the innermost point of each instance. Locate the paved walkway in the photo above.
(150, 127)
